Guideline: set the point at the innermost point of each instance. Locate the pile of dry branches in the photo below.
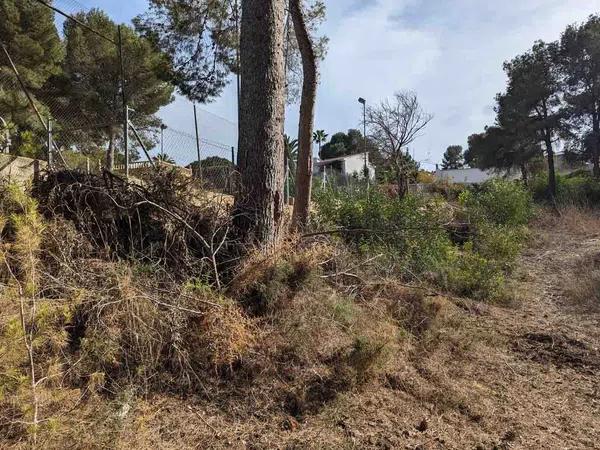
(161, 220)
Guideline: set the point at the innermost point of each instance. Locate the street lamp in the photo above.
(363, 102)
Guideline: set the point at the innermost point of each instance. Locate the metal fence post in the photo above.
(199, 171)
(124, 99)
(50, 159)
(126, 140)
(232, 171)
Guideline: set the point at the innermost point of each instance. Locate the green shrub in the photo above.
(498, 201)
(412, 234)
(409, 232)
(471, 274)
(578, 189)
(500, 243)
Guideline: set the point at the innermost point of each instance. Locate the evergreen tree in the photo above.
(580, 64)
(90, 86)
(453, 158)
(28, 32)
(344, 144)
(202, 41)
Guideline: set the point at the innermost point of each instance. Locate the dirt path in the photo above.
(523, 376)
(550, 395)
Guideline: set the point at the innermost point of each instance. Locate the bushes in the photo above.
(413, 233)
(576, 189)
(498, 202)
(302, 323)
(409, 232)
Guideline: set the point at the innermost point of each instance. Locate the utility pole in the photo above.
(366, 170)
(162, 141)
(125, 107)
(50, 161)
(199, 172)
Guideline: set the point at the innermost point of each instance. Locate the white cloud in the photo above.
(450, 52)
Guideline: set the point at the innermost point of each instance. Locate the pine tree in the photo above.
(28, 32)
(453, 158)
(90, 86)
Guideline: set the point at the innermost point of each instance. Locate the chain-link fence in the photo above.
(83, 118)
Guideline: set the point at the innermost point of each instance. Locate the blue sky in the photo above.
(450, 52)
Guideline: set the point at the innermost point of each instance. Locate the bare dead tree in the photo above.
(395, 124)
(307, 115)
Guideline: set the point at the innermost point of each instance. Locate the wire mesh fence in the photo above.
(94, 115)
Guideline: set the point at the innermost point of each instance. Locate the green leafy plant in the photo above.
(498, 201)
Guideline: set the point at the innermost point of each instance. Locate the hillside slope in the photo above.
(524, 375)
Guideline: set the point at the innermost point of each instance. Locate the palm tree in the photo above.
(291, 151)
(163, 157)
(319, 136)
(290, 158)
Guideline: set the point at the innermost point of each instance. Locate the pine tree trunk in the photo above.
(551, 170)
(524, 174)
(307, 116)
(259, 200)
(596, 144)
(110, 152)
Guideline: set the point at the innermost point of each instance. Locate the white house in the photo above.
(468, 176)
(350, 166)
(477, 176)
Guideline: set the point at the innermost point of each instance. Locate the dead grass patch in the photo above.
(573, 220)
(583, 290)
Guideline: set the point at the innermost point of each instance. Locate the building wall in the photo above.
(464, 176)
(354, 164)
(476, 176)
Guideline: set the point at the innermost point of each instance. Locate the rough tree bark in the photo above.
(110, 152)
(551, 169)
(307, 115)
(596, 144)
(259, 200)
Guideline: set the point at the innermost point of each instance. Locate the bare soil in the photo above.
(523, 375)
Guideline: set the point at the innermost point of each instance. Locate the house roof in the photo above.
(339, 158)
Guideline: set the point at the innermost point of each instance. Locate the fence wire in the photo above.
(72, 124)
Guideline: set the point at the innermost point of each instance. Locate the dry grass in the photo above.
(304, 347)
(584, 290)
(575, 221)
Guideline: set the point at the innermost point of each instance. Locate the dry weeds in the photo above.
(304, 348)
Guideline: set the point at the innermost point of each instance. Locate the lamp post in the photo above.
(366, 170)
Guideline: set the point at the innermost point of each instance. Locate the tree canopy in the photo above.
(529, 115)
(202, 41)
(28, 31)
(90, 85)
(453, 158)
(579, 61)
(344, 144)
